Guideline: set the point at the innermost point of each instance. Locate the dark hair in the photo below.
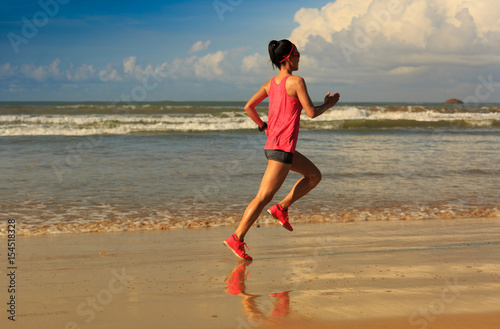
(278, 50)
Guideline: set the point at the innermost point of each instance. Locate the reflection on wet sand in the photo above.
(255, 307)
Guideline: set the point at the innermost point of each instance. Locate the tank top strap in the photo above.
(282, 80)
(282, 85)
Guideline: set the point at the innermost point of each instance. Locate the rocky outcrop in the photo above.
(453, 101)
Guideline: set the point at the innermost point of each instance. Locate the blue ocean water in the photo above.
(97, 167)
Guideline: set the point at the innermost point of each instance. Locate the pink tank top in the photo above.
(284, 118)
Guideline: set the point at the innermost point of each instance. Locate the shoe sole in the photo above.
(278, 221)
(234, 252)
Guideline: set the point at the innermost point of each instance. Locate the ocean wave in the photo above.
(114, 124)
(107, 218)
(341, 118)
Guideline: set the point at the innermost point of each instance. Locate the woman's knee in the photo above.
(264, 198)
(315, 177)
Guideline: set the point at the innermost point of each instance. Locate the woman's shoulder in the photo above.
(295, 80)
(267, 84)
(295, 77)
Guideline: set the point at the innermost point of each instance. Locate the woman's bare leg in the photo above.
(272, 180)
(312, 177)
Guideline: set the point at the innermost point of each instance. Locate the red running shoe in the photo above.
(237, 247)
(280, 214)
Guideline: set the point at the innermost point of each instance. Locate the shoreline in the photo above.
(370, 274)
(123, 226)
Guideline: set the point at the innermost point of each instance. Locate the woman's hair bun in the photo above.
(278, 50)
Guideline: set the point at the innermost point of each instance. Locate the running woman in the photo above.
(287, 97)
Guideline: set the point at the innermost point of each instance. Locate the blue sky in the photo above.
(368, 50)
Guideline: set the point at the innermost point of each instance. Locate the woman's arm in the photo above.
(258, 97)
(311, 110)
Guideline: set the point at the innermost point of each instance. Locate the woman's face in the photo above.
(294, 60)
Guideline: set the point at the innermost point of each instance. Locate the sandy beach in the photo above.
(401, 274)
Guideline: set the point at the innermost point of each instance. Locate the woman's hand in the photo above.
(331, 100)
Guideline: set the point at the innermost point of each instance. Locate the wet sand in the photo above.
(406, 274)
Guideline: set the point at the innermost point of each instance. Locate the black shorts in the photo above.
(279, 155)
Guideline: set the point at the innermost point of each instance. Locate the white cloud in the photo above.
(36, 73)
(199, 46)
(374, 44)
(53, 68)
(139, 73)
(129, 64)
(6, 70)
(109, 74)
(253, 63)
(181, 68)
(225, 66)
(84, 72)
(395, 26)
(42, 73)
(209, 66)
(333, 17)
